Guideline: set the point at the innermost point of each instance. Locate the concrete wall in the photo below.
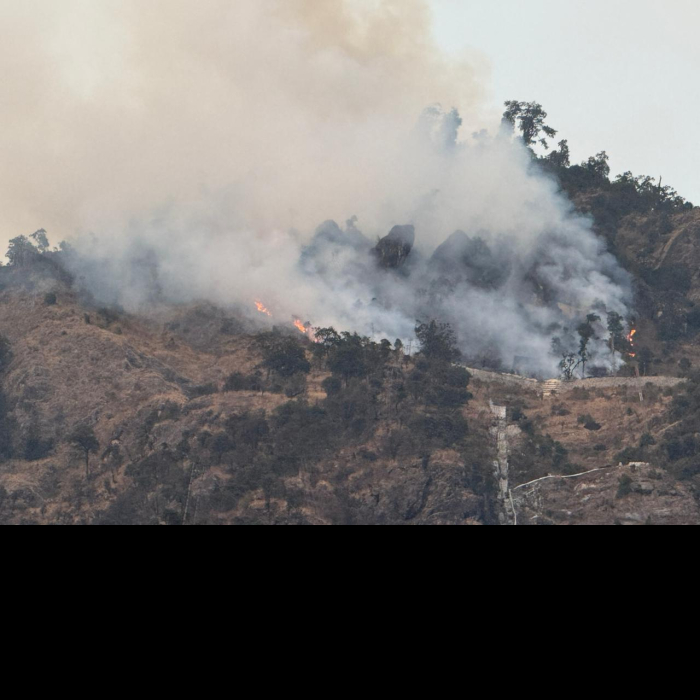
(603, 383)
(615, 382)
(505, 379)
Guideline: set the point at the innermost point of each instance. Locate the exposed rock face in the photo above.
(330, 232)
(331, 242)
(394, 250)
(461, 258)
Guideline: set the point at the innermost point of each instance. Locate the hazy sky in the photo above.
(111, 108)
(615, 75)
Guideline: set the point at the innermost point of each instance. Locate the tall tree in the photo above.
(530, 119)
(586, 332)
(84, 439)
(284, 355)
(568, 366)
(562, 156)
(615, 328)
(438, 341)
(21, 251)
(41, 240)
(598, 165)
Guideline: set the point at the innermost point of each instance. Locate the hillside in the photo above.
(152, 392)
(198, 420)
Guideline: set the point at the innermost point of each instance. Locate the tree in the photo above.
(327, 337)
(587, 333)
(646, 359)
(21, 251)
(529, 118)
(438, 341)
(615, 328)
(598, 165)
(5, 353)
(41, 240)
(285, 356)
(560, 158)
(349, 358)
(84, 438)
(326, 340)
(568, 366)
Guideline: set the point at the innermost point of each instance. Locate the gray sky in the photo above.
(615, 75)
(111, 108)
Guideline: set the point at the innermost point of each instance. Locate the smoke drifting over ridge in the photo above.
(204, 143)
(114, 107)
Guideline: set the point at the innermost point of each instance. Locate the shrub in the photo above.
(629, 455)
(35, 448)
(295, 386)
(203, 390)
(624, 486)
(440, 430)
(332, 385)
(589, 423)
(579, 394)
(647, 440)
(5, 353)
(237, 382)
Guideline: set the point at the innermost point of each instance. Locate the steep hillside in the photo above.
(655, 234)
(176, 447)
(198, 419)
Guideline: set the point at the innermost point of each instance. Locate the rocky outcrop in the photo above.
(393, 251)
(461, 258)
(331, 242)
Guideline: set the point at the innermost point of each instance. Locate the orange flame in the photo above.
(306, 329)
(630, 339)
(262, 308)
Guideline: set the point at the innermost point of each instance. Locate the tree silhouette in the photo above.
(84, 439)
(438, 341)
(529, 118)
(615, 328)
(587, 332)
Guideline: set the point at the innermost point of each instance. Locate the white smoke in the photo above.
(202, 143)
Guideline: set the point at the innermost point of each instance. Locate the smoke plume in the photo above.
(191, 150)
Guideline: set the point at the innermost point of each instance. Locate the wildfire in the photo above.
(262, 308)
(630, 340)
(305, 328)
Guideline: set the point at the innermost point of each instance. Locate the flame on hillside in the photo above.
(262, 308)
(630, 340)
(305, 328)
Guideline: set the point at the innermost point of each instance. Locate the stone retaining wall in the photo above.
(615, 382)
(602, 383)
(506, 379)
